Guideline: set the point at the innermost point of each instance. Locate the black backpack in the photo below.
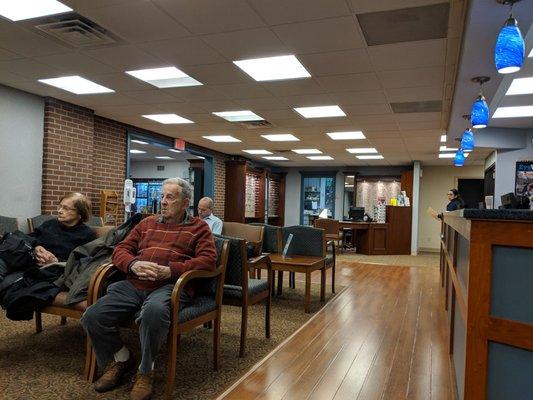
(16, 251)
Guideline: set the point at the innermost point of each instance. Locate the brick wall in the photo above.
(67, 152)
(219, 193)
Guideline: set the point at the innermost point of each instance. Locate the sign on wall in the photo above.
(524, 178)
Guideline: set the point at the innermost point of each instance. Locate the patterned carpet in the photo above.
(49, 365)
(421, 260)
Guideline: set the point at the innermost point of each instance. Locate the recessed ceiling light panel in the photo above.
(447, 155)
(273, 68)
(76, 84)
(281, 138)
(320, 112)
(514, 112)
(307, 151)
(443, 138)
(139, 141)
(222, 139)
(362, 150)
(276, 158)
(520, 86)
(320, 158)
(134, 151)
(164, 158)
(444, 148)
(168, 119)
(17, 10)
(355, 135)
(238, 116)
(165, 77)
(376, 157)
(257, 151)
(174, 150)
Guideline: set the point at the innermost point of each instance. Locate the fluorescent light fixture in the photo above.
(17, 10)
(281, 138)
(76, 84)
(134, 151)
(443, 138)
(273, 68)
(174, 150)
(355, 135)
(307, 151)
(530, 54)
(138, 141)
(348, 185)
(513, 112)
(238, 116)
(164, 158)
(444, 148)
(350, 176)
(467, 151)
(222, 139)
(168, 118)
(257, 151)
(318, 158)
(362, 150)
(165, 77)
(276, 158)
(521, 86)
(376, 157)
(447, 155)
(320, 112)
(200, 157)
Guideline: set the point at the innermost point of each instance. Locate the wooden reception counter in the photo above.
(487, 279)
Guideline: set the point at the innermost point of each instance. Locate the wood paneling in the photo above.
(399, 233)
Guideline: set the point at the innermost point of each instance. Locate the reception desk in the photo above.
(369, 237)
(487, 280)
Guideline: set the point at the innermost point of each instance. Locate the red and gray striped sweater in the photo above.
(182, 247)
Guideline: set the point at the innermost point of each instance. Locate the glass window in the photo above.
(318, 194)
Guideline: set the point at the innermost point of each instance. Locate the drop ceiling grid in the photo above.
(276, 99)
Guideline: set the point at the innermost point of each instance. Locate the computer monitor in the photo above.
(509, 201)
(356, 213)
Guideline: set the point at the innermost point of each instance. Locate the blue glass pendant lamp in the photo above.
(468, 141)
(479, 114)
(509, 52)
(459, 159)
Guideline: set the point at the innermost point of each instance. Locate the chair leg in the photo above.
(244, 328)
(90, 362)
(173, 343)
(38, 322)
(63, 321)
(280, 282)
(333, 279)
(292, 280)
(267, 315)
(216, 344)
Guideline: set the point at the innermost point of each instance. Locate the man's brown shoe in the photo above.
(143, 386)
(112, 374)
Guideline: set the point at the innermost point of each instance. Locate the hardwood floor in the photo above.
(382, 338)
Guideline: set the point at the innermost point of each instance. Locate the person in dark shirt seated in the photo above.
(455, 201)
(56, 238)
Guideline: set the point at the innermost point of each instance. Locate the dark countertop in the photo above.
(474, 213)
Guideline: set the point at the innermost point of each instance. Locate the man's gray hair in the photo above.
(186, 188)
(209, 202)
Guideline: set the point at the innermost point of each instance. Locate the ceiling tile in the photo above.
(6, 55)
(414, 94)
(336, 63)
(365, 6)
(27, 42)
(428, 53)
(120, 81)
(405, 78)
(75, 64)
(242, 90)
(319, 36)
(151, 96)
(308, 100)
(30, 69)
(355, 98)
(350, 83)
(195, 93)
(140, 21)
(217, 74)
(210, 16)
(367, 109)
(126, 57)
(418, 125)
(293, 87)
(183, 51)
(282, 11)
(252, 43)
(265, 103)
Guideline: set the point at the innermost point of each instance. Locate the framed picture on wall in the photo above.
(524, 178)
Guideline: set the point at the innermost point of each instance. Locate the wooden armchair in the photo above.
(311, 242)
(241, 289)
(332, 228)
(8, 224)
(206, 307)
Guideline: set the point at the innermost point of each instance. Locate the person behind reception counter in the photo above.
(454, 203)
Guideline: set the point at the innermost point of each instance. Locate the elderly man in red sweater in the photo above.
(155, 253)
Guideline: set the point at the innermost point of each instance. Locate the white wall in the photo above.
(293, 183)
(434, 184)
(21, 153)
(506, 168)
(148, 169)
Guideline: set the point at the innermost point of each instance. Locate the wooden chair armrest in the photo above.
(188, 276)
(263, 259)
(96, 285)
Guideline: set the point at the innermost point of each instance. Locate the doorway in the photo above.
(472, 191)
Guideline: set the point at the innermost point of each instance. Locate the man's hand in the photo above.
(43, 256)
(146, 270)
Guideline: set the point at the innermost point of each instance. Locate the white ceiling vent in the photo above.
(78, 32)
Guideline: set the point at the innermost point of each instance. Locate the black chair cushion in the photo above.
(235, 265)
(306, 240)
(201, 305)
(255, 286)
